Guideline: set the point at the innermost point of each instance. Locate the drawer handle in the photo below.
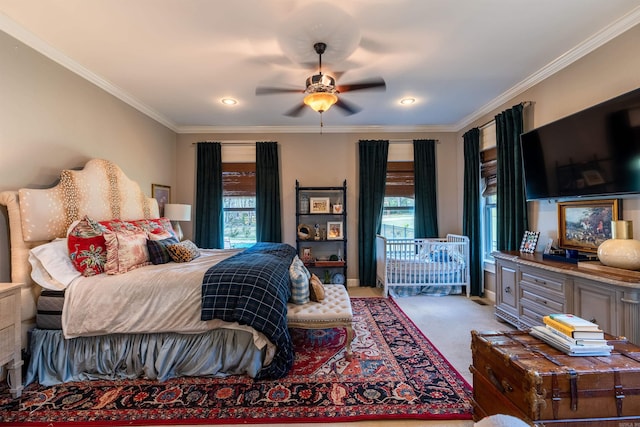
(543, 301)
(507, 289)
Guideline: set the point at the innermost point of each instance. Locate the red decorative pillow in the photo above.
(156, 226)
(87, 247)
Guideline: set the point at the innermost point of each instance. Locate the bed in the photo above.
(438, 266)
(202, 312)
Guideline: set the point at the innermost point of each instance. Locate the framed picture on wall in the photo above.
(162, 193)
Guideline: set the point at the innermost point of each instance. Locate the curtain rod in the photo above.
(484, 125)
(230, 142)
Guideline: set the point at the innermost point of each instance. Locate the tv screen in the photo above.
(595, 152)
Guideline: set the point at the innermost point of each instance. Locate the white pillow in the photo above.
(51, 266)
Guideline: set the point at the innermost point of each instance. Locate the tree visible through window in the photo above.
(239, 204)
(399, 202)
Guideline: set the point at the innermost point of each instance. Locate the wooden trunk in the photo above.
(516, 374)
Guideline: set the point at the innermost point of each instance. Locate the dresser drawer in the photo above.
(547, 280)
(7, 308)
(7, 344)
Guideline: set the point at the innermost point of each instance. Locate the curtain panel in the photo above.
(268, 210)
(511, 199)
(373, 171)
(471, 208)
(209, 218)
(426, 204)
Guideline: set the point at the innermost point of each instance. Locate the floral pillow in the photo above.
(126, 250)
(87, 247)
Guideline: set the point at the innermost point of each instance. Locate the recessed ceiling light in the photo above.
(228, 101)
(407, 101)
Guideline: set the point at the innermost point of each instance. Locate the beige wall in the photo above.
(609, 71)
(327, 160)
(52, 119)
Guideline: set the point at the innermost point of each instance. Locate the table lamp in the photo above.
(176, 213)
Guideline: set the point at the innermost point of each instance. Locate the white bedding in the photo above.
(150, 299)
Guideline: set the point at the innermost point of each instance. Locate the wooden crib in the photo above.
(422, 262)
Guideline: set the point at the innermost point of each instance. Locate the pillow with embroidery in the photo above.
(184, 251)
(87, 247)
(126, 250)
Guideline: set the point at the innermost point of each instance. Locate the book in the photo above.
(572, 331)
(575, 322)
(562, 344)
(577, 341)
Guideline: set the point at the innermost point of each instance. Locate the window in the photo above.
(399, 202)
(239, 204)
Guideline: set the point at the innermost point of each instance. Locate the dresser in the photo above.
(10, 335)
(529, 287)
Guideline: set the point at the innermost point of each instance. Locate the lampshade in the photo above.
(320, 101)
(177, 212)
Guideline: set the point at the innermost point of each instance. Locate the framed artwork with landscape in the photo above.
(584, 224)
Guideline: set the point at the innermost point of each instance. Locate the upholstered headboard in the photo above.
(36, 216)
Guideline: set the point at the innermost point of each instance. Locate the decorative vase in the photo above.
(621, 251)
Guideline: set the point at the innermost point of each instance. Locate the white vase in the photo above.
(621, 251)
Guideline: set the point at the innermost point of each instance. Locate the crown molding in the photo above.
(314, 129)
(18, 32)
(607, 34)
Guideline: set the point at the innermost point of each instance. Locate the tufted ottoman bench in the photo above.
(332, 312)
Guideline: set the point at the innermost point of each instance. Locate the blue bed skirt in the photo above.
(219, 352)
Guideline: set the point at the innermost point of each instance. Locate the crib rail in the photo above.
(420, 262)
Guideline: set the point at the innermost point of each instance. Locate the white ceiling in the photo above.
(175, 59)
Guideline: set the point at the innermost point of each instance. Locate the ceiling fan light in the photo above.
(320, 101)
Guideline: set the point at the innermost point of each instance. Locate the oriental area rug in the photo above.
(395, 373)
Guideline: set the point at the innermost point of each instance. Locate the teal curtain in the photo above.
(511, 199)
(209, 218)
(373, 176)
(268, 211)
(426, 203)
(471, 208)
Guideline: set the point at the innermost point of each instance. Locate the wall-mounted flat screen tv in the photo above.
(592, 153)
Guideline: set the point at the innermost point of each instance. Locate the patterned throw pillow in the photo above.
(158, 252)
(316, 289)
(87, 247)
(184, 251)
(299, 281)
(126, 250)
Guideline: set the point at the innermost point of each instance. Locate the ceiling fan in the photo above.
(321, 91)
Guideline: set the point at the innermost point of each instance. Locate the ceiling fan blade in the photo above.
(297, 110)
(347, 108)
(374, 83)
(266, 90)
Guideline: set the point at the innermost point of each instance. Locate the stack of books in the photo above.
(572, 335)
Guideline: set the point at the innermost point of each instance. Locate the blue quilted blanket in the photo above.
(252, 288)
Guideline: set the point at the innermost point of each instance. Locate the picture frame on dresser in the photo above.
(529, 242)
(583, 225)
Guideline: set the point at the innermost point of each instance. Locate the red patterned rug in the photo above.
(395, 373)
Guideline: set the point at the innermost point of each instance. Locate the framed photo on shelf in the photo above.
(319, 205)
(584, 224)
(529, 242)
(162, 193)
(334, 230)
(306, 254)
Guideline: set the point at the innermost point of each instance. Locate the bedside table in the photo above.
(10, 335)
